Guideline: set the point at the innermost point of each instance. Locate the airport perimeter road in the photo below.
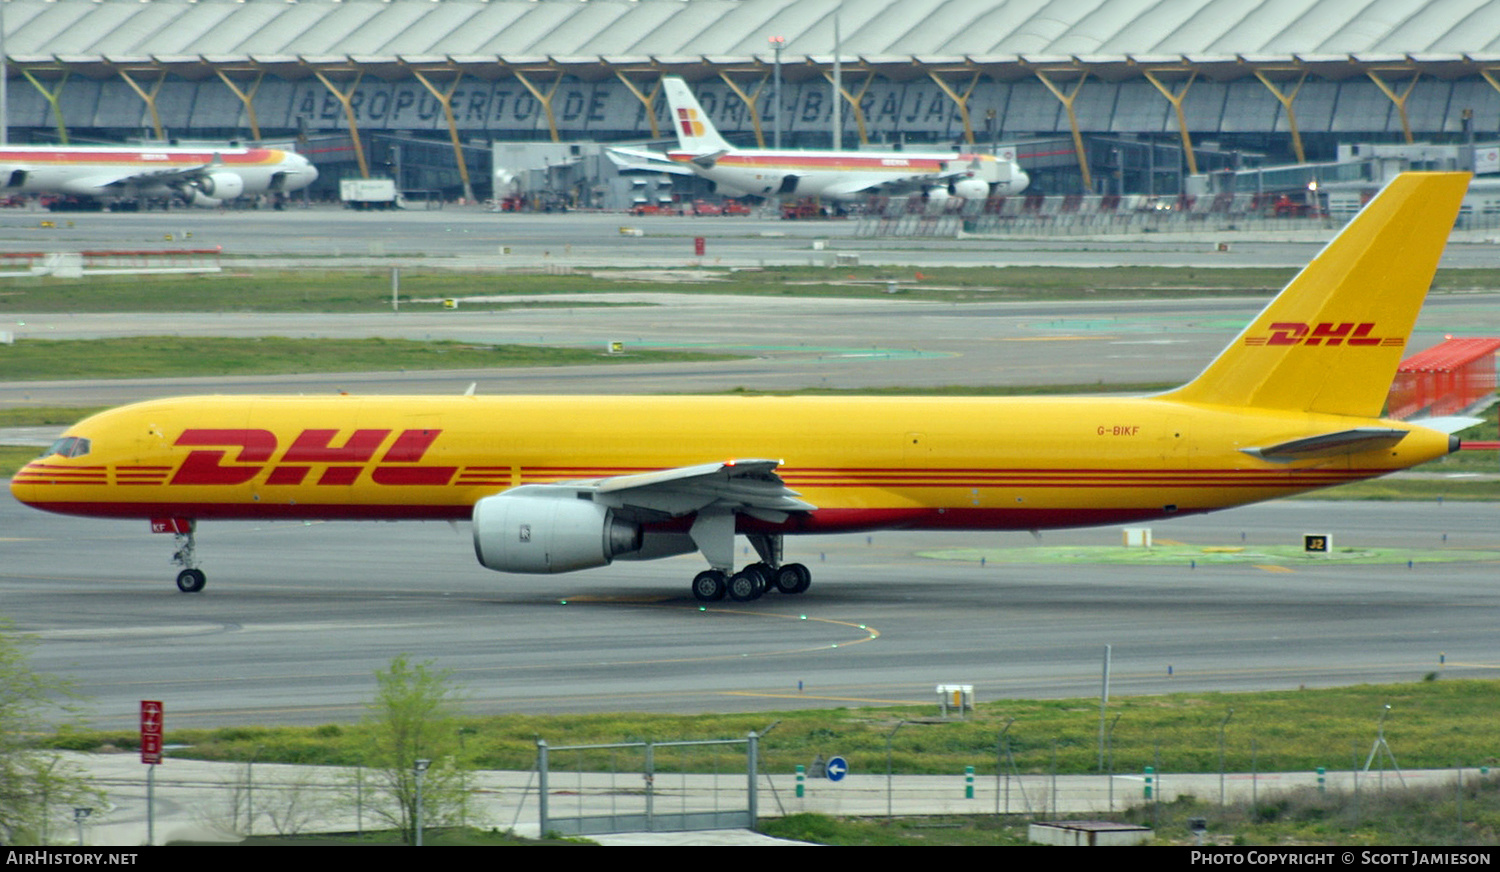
(297, 617)
(470, 237)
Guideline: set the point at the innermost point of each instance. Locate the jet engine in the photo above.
(969, 188)
(543, 534)
(219, 186)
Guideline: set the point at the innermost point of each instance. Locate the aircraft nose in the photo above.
(1022, 180)
(306, 171)
(20, 486)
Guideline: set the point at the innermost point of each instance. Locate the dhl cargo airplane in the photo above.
(554, 484)
(835, 175)
(199, 176)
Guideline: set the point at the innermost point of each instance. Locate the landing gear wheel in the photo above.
(747, 584)
(191, 580)
(708, 586)
(793, 578)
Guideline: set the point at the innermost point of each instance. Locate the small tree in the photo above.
(413, 718)
(37, 789)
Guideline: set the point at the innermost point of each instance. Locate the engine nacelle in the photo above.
(543, 534)
(970, 188)
(220, 186)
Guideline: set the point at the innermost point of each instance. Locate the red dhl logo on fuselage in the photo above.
(342, 464)
(1324, 333)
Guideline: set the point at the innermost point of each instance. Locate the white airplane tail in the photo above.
(695, 133)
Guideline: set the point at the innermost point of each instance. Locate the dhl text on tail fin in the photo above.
(555, 484)
(1331, 341)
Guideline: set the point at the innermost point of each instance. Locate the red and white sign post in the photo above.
(152, 716)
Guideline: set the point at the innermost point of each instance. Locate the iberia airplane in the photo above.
(554, 484)
(836, 175)
(202, 176)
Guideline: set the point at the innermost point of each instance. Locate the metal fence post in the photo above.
(752, 765)
(541, 781)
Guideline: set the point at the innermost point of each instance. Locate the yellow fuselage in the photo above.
(960, 463)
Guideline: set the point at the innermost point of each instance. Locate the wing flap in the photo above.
(750, 486)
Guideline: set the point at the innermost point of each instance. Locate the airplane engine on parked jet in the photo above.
(219, 186)
(541, 534)
(970, 188)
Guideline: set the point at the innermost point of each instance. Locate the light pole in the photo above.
(1222, 727)
(777, 44)
(419, 768)
(250, 791)
(79, 816)
(888, 778)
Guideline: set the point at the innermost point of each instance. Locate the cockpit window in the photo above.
(68, 446)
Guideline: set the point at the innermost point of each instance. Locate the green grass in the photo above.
(969, 390)
(1387, 817)
(370, 290)
(434, 837)
(314, 290)
(367, 290)
(1426, 817)
(41, 416)
(167, 356)
(905, 831)
(1433, 724)
(13, 457)
(1404, 489)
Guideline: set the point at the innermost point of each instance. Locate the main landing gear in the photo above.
(751, 582)
(191, 579)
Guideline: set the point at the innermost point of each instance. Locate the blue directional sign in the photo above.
(837, 768)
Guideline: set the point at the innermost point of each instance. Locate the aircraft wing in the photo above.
(124, 178)
(643, 160)
(860, 182)
(748, 486)
(851, 187)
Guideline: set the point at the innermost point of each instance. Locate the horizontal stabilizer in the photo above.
(1450, 424)
(707, 161)
(1329, 444)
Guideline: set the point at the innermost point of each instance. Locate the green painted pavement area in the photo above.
(1171, 555)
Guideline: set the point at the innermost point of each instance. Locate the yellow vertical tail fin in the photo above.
(1331, 340)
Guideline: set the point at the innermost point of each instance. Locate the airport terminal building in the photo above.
(1094, 96)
